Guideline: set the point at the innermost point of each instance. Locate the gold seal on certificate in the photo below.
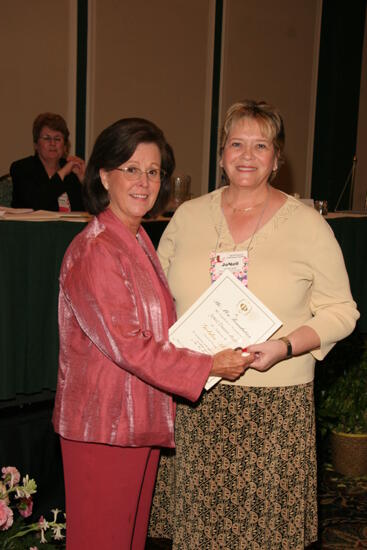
(227, 315)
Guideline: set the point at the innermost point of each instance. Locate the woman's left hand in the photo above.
(267, 354)
(77, 166)
(303, 340)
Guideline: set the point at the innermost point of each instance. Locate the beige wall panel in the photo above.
(153, 60)
(37, 66)
(360, 192)
(271, 53)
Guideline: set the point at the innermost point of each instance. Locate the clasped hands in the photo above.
(231, 364)
(73, 164)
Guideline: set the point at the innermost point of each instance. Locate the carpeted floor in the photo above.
(342, 513)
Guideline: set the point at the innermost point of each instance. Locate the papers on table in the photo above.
(7, 210)
(27, 214)
(226, 315)
(346, 214)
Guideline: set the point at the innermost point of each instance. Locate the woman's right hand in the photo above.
(230, 364)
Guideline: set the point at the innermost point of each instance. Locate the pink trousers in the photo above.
(108, 494)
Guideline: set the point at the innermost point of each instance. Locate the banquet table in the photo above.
(30, 258)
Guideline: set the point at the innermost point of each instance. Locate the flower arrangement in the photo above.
(17, 532)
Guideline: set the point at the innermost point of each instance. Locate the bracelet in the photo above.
(289, 347)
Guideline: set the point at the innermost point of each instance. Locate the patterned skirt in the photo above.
(243, 475)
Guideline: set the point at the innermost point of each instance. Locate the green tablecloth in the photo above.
(30, 259)
(351, 233)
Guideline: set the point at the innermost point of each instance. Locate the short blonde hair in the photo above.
(269, 119)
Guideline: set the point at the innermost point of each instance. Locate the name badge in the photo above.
(235, 262)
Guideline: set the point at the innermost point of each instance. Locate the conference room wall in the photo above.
(272, 54)
(37, 67)
(154, 60)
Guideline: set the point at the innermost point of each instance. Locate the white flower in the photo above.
(43, 524)
(29, 486)
(57, 532)
(55, 513)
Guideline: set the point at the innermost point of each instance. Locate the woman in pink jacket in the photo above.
(117, 369)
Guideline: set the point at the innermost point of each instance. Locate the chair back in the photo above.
(6, 190)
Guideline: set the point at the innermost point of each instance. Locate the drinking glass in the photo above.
(321, 207)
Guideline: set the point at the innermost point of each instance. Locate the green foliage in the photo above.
(341, 388)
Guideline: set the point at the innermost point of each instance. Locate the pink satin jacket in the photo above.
(117, 369)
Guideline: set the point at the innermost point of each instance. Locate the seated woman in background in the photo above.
(50, 179)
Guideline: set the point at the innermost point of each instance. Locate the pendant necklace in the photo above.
(235, 209)
(235, 261)
(258, 221)
(265, 202)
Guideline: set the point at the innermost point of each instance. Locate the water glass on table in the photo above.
(321, 207)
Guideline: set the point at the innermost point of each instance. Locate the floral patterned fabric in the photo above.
(243, 475)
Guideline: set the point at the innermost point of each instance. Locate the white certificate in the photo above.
(227, 315)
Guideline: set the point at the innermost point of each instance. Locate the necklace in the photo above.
(258, 221)
(265, 202)
(235, 209)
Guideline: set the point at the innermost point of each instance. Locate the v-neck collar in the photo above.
(224, 234)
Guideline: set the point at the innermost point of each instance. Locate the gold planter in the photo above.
(349, 453)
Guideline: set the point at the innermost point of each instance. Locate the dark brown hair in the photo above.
(114, 146)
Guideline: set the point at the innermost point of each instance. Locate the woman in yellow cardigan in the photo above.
(244, 471)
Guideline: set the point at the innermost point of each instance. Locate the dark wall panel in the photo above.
(339, 79)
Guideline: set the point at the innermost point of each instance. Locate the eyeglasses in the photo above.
(49, 139)
(133, 173)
